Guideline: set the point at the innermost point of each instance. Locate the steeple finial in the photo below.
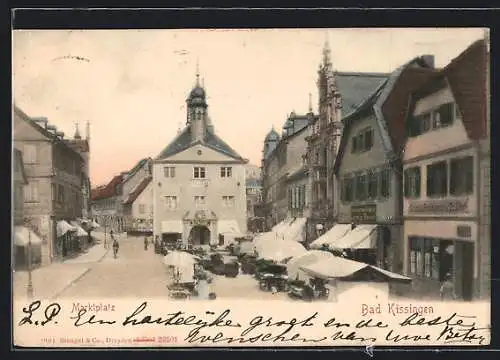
(197, 72)
(77, 132)
(88, 131)
(326, 53)
(310, 103)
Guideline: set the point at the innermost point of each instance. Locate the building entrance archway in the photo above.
(199, 235)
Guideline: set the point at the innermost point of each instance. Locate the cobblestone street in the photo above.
(134, 273)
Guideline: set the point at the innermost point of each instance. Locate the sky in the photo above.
(131, 85)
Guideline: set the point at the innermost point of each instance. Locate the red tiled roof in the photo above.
(107, 191)
(466, 75)
(138, 190)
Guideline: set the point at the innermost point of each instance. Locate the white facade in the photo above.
(199, 183)
(185, 200)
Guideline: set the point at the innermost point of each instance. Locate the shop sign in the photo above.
(364, 213)
(464, 231)
(442, 206)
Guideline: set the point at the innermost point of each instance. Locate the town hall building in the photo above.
(199, 192)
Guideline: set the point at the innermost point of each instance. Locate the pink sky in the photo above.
(134, 86)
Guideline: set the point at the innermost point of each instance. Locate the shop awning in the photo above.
(362, 237)
(22, 236)
(79, 230)
(63, 227)
(171, 226)
(307, 258)
(331, 236)
(350, 270)
(293, 231)
(229, 227)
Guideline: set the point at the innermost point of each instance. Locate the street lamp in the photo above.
(30, 280)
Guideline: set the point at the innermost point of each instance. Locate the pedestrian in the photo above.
(146, 242)
(447, 290)
(116, 246)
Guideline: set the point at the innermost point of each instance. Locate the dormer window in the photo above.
(438, 118)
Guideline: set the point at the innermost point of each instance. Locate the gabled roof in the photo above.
(467, 76)
(405, 79)
(19, 172)
(138, 190)
(355, 87)
(107, 191)
(183, 142)
(137, 167)
(44, 131)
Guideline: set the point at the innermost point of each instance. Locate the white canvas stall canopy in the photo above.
(229, 229)
(279, 250)
(278, 228)
(171, 226)
(63, 227)
(23, 236)
(335, 233)
(362, 237)
(293, 231)
(310, 257)
(350, 270)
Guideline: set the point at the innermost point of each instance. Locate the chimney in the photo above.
(42, 121)
(429, 60)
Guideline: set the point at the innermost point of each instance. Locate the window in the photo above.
(437, 179)
(228, 201)
(169, 172)
(373, 185)
(199, 200)
(354, 144)
(60, 194)
(385, 183)
(30, 154)
(428, 257)
(412, 182)
(226, 172)
(53, 189)
(171, 202)
(199, 173)
(462, 176)
(443, 116)
(363, 141)
(31, 192)
(142, 208)
(348, 189)
(368, 140)
(361, 182)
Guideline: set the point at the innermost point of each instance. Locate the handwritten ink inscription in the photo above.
(228, 328)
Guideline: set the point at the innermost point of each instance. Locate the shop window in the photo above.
(412, 182)
(430, 258)
(461, 176)
(437, 179)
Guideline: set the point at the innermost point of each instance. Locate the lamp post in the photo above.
(30, 280)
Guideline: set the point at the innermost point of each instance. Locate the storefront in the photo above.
(436, 248)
